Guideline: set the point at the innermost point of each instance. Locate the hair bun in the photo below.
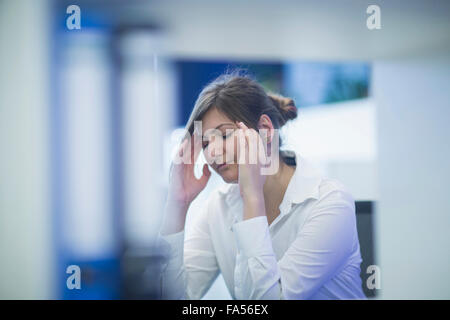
(286, 106)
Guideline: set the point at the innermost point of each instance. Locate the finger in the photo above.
(196, 146)
(187, 150)
(247, 132)
(241, 144)
(206, 174)
(245, 129)
(254, 146)
(241, 125)
(206, 171)
(245, 148)
(261, 153)
(182, 147)
(193, 149)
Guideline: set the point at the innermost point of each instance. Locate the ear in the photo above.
(266, 124)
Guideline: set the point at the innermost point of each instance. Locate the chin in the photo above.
(230, 175)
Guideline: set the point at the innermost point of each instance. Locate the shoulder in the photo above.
(310, 182)
(334, 188)
(334, 196)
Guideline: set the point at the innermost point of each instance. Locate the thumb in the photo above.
(206, 174)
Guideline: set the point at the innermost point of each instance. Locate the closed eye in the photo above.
(206, 143)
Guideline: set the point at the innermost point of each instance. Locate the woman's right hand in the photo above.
(184, 187)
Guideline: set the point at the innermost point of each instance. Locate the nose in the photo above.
(216, 156)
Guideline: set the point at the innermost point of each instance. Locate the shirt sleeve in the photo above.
(319, 251)
(191, 266)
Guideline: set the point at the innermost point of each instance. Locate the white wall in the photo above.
(413, 214)
(340, 139)
(147, 100)
(25, 224)
(297, 29)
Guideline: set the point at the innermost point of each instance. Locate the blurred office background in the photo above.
(89, 119)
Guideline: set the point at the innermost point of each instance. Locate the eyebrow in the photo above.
(224, 124)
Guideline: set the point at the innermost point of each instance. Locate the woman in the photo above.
(290, 234)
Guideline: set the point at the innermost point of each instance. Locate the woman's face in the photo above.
(215, 143)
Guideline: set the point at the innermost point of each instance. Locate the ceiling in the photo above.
(280, 30)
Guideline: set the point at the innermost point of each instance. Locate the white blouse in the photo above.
(310, 251)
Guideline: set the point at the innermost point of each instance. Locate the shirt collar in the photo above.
(304, 185)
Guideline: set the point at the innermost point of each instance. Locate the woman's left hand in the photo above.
(251, 181)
